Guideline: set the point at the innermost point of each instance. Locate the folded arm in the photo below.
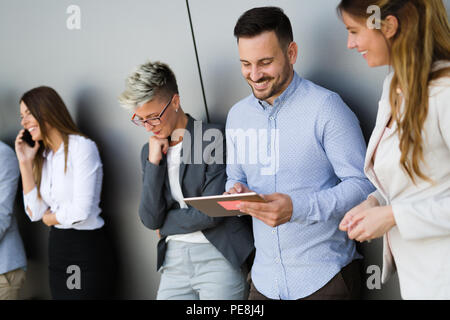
(182, 221)
(187, 220)
(152, 207)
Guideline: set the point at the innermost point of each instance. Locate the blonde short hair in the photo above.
(148, 80)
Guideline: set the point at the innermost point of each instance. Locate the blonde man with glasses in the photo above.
(199, 257)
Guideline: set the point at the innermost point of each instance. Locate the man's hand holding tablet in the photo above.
(226, 205)
(276, 210)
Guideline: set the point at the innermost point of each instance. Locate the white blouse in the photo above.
(73, 196)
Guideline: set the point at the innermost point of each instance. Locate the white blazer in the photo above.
(418, 247)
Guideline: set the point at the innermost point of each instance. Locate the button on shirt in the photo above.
(73, 196)
(308, 145)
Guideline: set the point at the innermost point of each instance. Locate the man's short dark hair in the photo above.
(258, 20)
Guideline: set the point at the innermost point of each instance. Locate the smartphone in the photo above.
(27, 138)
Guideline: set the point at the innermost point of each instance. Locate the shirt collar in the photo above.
(285, 95)
(49, 151)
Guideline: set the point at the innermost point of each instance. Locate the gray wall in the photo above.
(88, 67)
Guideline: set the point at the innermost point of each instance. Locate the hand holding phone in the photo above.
(27, 138)
(24, 151)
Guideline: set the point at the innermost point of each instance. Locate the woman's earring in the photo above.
(176, 110)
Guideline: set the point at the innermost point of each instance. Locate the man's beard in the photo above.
(262, 95)
(275, 90)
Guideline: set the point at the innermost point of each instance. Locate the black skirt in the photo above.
(81, 264)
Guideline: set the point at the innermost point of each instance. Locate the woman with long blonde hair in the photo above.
(62, 177)
(408, 156)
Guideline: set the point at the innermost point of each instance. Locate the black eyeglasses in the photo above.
(151, 121)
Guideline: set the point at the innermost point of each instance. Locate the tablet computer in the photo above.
(222, 205)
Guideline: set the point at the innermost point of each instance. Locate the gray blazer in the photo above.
(232, 236)
(12, 253)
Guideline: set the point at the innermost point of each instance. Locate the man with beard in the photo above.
(318, 176)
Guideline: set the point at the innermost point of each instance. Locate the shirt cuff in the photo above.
(407, 225)
(300, 208)
(401, 223)
(31, 202)
(228, 185)
(154, 172)
(61, 217)
(377, 195)
(67, 218)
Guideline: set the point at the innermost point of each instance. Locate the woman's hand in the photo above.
(348, 221)
(371, 223)
(25, 153)
(49, 218)
(156, 148)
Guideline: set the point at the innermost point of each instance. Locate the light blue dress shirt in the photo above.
(308, 145)
(12, 253)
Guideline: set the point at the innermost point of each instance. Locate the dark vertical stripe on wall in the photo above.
(198, 62)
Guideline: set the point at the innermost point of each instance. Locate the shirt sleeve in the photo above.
(37, 207)
(377, 195)
(423, 219)
(153, 206)
(343, 142)
(9, 176)
(87, 176)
